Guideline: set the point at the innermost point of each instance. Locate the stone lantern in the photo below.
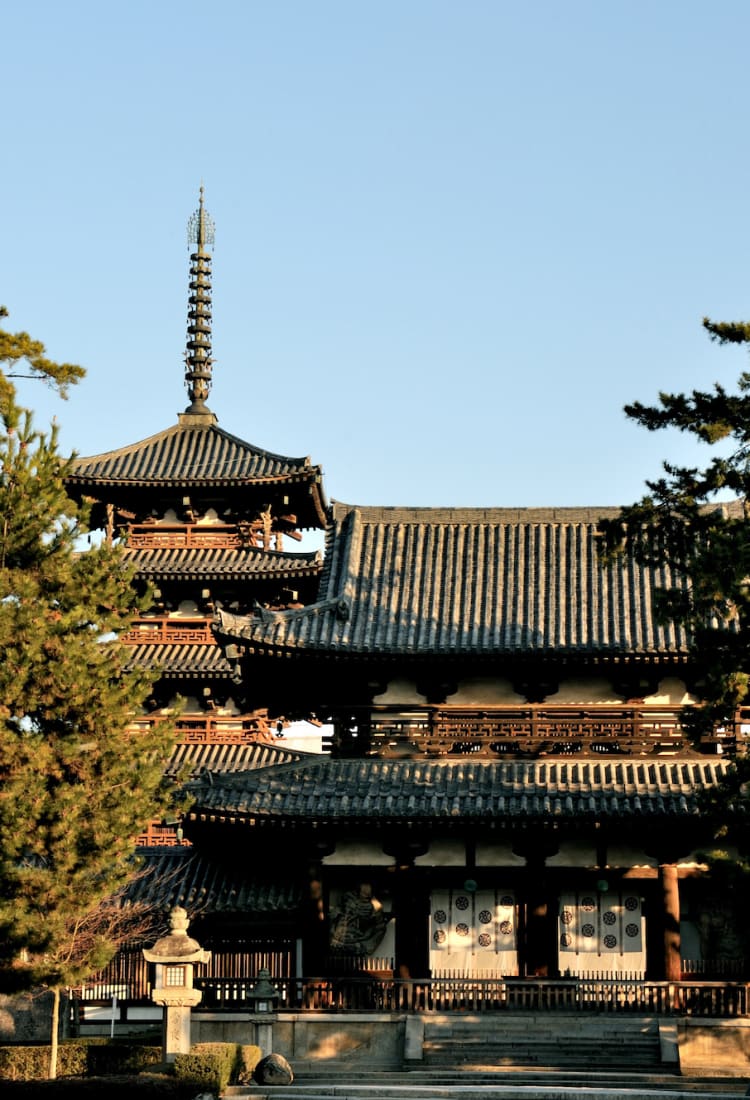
(176, 956)
(264, 996)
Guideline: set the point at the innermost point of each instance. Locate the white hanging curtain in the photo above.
(601, 933)
(473, 932)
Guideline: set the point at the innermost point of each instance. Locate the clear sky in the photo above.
(453, 238)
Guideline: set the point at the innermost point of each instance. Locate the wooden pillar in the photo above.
(411, 937)
(315, 931)
(670, 897)
(537, 956)
(537, 910)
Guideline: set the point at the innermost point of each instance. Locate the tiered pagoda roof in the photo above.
(196, 453)
(223, 563)
(178, 661)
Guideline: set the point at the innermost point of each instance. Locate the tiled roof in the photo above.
(479, 582)
(215, 563)
(181, 876)
(193, 451)
(201, 758)
(462, 790)
(179, 660)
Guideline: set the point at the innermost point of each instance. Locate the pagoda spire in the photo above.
(198, 358)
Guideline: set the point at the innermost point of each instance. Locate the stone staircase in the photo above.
(484, 1042)
(511, 1057)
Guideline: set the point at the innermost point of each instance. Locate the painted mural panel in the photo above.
(473, 932)
(601, 933)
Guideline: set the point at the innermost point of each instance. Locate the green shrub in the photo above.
(31, 1062)
(121, 1057)
(76, 1058)
(247, 1059)
(209, 1066)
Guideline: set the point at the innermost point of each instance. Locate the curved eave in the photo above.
(176, 661)
(307, 475)
(552, 819)
(181, 876)
(462, 790)
(197, 758)
(211, 563)
(601, 657)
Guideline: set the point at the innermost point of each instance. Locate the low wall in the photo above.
(714, 1047)
(366, 1040)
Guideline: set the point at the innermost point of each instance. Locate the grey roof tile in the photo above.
(325, 789)
(470, 581)
(178, 660)
(227, 759)
(190, 453)
(216, 563)
(181, 876)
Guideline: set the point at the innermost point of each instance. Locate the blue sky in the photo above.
(453, 239)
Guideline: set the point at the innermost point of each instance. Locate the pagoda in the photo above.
(206, 520)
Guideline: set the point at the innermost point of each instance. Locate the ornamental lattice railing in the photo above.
(532, 730)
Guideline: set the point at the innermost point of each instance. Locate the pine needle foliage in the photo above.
(696, 522)
(76, 785)
(24, 357)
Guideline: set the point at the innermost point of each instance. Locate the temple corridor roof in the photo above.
(181, 876)
(461, 790)
(479, 582)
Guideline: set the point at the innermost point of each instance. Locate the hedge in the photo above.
(76, 1058)
(213, 1066)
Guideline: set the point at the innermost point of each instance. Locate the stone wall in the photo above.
(25, 1017)
(365, 1040)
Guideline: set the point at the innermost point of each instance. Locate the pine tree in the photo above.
(76, 785)
(19, 350)
(697, 521)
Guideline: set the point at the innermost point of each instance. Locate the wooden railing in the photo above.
(717, 999)
(534, 729)
(152, 536)
(166, 631)
(212, 729)
(229, 989)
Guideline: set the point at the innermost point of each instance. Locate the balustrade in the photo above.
(213, 729)
(234, 975)
(526, 730)
(170, 631)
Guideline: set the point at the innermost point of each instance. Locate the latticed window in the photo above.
(174, 976)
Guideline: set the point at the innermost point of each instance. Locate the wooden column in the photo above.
(538, 915)
(411, 913)
(670, 897)
(536, 948)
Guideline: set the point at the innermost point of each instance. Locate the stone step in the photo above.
(519, 1051)
(520, 1088)
(502, 1039)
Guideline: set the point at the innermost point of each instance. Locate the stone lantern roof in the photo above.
(177, 946)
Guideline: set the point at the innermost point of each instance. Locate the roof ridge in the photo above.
(450, 514)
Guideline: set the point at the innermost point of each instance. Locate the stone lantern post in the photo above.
(176, 956)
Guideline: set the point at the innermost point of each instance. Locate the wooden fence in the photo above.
(343, 994)
(233, 975)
